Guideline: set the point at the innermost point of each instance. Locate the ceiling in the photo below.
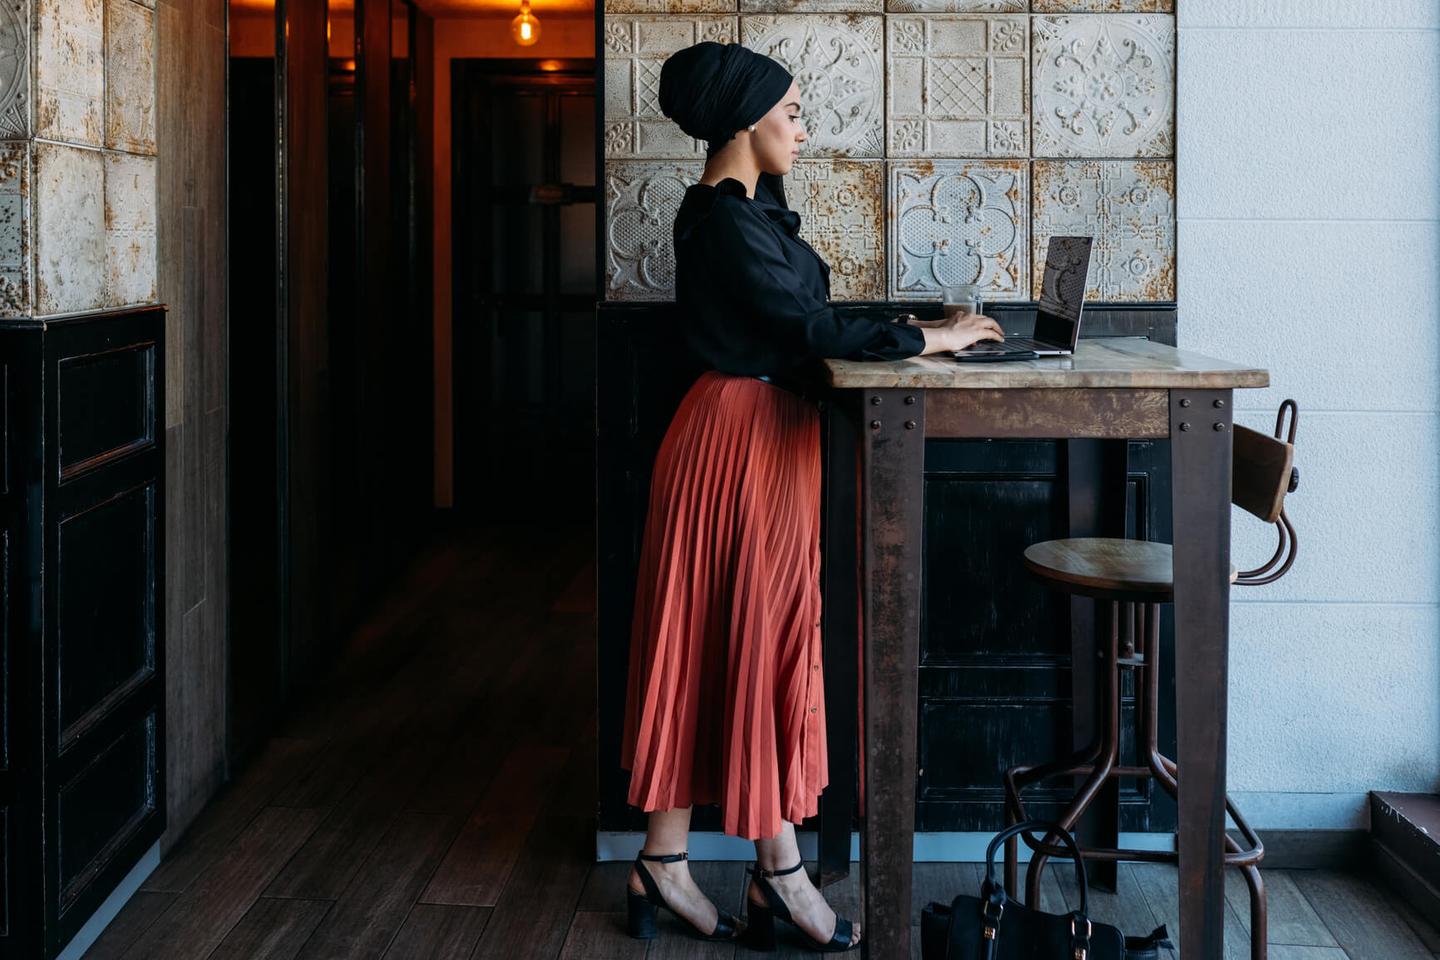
(451, 8)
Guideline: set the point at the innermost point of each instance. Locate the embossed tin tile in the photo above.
(1104, 85)
(955, 86)
(840, 205)
(635, 50)
(641, 197)
(68, 210)
(812, 6)
(668, 6)
(1104, 6)
(69, 70)
(129, 76)
(836, 60)
(14, 70)
(129, 229)
(14, 229)
(1128, 206)
(956, 6)
(958, 221)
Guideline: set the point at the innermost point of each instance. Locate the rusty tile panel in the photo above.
(641, 197)
(956, 6)
(1104, 86)
(69, 71)
(1104, 6)
(68, 210)
(14, 229)
(839, 202)
(956, 86)
(1128, 206)
(837, 61)
(668, 6)
(958, 221)
(812, 6)
(15, 70)
(129, 76)
(635, 50)
(129, 228)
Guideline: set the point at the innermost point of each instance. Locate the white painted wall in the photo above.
(1309, 224)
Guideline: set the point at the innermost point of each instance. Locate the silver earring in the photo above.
(751, 128)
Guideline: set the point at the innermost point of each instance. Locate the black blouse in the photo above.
(754, 297)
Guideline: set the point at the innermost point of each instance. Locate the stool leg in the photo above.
(1104, 764)
(1259, 912)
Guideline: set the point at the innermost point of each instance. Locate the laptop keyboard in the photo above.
(1011, 343)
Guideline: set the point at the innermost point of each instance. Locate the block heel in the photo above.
(762, 918)
(642, 914)
(759, 928)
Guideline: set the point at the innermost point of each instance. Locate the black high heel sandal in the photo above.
(644, 907)
(760, 933)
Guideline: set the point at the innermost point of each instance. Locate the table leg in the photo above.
(893, 461)
(839, 631)
(1096, 473)
(1200, 458)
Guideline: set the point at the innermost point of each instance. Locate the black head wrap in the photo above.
(712, 90)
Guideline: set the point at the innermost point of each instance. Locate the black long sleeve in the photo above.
(754, 297)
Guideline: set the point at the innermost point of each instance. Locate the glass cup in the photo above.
(961, 298)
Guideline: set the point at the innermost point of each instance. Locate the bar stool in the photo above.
(1136, 577)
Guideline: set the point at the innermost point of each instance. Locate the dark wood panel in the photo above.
(107, 408)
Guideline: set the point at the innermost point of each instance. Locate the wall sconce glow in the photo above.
(525, 27)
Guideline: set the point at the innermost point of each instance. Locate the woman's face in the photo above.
(779, 133)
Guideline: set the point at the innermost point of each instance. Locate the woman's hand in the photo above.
(957, 331)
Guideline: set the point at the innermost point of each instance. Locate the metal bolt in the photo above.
(1219, 404)
(910, 399)
(1219, 428)
(909, 424)
(1184, 426)
(874, 401)
(874, 424)
(1185, 402)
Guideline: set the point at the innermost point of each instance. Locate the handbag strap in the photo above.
(993, 897)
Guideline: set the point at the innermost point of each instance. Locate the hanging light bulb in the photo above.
(525, 27)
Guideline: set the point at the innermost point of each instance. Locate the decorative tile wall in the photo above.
(78, 157)
(948, 139)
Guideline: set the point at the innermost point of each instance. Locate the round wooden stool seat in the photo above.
(1107, 567)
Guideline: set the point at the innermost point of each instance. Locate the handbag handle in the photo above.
(1030, 826)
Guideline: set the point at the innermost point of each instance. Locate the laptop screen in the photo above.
(1062, 290)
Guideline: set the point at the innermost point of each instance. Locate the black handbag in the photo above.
(994, 927)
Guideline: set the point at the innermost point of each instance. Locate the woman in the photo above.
(725, 702)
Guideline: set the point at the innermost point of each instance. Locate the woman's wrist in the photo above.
(937, 339)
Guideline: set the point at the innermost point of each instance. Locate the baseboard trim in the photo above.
(86, 936)
(1284, 849)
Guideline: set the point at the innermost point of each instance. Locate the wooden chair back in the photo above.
(1262, 473)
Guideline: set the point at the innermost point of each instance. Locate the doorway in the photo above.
(523, 283)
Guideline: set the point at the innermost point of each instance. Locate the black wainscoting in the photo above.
(82, 759)
(995, 672)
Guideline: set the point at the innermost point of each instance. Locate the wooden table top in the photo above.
(1098, 362)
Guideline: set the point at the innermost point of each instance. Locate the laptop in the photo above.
(1057, 319)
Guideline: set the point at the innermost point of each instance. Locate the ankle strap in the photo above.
(758, 871)
(664, 857)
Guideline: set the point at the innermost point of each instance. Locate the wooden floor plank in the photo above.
(278, 762)
(1290, 951)
(533, 914)
(202, 917)
(272, 930)
(1126, 908)
(438, 932)
(602, 936)
(1160, 883)
(1359, 917)
(373, 907)
(1292, 920)
(142, 910)
(475, 869)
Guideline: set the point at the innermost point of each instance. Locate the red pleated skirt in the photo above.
(725, 701)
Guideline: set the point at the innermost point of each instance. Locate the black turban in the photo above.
(712, 90)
